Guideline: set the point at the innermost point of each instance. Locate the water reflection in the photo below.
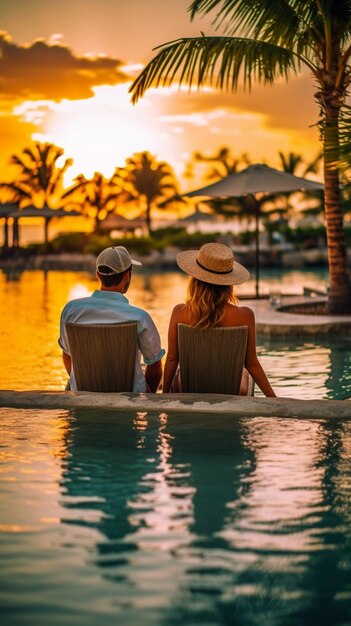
(307, 369)
(201, 519)
(331, 593)
(153, 485)
(174, 520)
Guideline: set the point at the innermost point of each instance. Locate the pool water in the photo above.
(118, 519)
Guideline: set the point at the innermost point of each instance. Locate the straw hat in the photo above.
(214, 264)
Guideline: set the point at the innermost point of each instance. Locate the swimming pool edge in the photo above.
(181, 403)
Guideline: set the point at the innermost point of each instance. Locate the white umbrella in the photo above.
(256, 179)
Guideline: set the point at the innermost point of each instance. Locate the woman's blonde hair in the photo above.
(207, 301)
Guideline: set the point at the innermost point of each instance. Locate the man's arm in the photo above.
(67, 362)
(153, 375)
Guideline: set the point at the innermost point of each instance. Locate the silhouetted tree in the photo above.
(150, 181)
(40, 178)
(97, 196)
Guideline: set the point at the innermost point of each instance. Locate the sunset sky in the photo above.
(65, 70)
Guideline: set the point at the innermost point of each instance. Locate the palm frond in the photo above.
(16, 160)
(32, 156)
(337, 141)
(253, 18)
(313, 166)
(19, 190)
(199, 59)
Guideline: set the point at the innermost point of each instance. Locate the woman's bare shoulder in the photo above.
(179, 311)
(179, 307)
(241, 312)
(246, 310)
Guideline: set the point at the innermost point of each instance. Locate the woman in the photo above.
(211, 302)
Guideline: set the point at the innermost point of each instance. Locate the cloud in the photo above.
(286, 105)
(51, 70)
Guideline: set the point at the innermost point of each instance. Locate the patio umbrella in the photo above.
(251, 182)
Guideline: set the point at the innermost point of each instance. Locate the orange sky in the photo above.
(65, 69)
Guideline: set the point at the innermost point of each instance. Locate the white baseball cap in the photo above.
(116, 258)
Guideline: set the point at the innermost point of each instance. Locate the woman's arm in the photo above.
(172, 358)
(252, 363)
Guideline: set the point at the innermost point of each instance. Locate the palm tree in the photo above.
(278, 37)
(40, 179)
(150, 180)
(294, 163)
(291, 162)
(97, 196)
(223, 163)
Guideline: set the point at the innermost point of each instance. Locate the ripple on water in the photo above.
(210, 520)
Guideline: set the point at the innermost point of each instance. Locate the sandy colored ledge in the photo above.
(179, 403)
(276, 322)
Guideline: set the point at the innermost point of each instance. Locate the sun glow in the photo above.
(101, 132)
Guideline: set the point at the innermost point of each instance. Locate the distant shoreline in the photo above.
(269, 257)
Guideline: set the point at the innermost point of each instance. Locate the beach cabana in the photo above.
(195, 218)
(119, 222)
(46, 213)
(6, 211)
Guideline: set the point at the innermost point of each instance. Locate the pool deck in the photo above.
(272, 321)
(237, 406)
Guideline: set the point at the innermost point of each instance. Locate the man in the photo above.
(109, 305)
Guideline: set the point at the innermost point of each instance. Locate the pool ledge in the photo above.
(275, 322)
(179, 403)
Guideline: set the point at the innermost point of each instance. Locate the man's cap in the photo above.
(116, 258)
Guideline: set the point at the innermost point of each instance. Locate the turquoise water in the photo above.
(113, 519)
(308, 368)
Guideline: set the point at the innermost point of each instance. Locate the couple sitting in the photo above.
(210, 302)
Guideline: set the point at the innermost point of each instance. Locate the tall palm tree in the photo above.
(150, 181)
(97, 196)
(40, 179)
(277, 38)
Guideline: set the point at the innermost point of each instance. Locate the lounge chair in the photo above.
(212, 360)
(103, 355)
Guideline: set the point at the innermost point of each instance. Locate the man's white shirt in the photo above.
(110, 307)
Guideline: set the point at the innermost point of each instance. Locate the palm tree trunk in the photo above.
(339, 299)
(97, 229)
(148, 218)
(46, 233)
